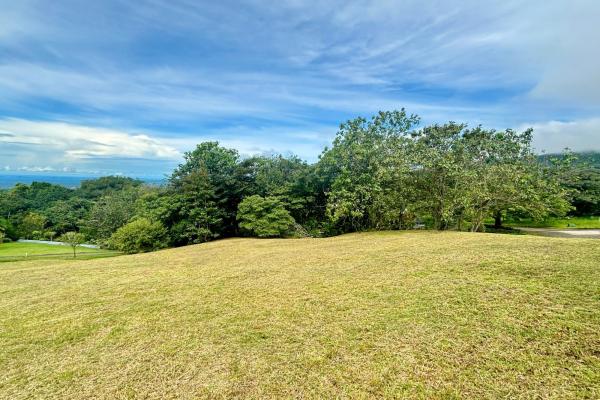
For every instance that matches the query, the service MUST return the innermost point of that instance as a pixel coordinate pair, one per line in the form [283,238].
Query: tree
[264,217]
[2,236]
[68,215]
[106,185]
[7,228]
[289,179]
[359,166]
[31,222]
[200,217]
[438,159]
[138,236]
[219,167]
[73,239]
[110,213]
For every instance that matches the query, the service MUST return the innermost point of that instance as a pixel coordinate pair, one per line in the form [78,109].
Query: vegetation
[409,315]
[264,217]
[383,173]
[73,240]
[139,236]
[583,180]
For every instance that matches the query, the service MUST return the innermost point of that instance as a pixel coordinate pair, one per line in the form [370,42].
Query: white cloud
[45,146]
[578,135]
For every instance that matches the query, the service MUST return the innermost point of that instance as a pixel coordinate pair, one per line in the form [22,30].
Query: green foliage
[7,229]
[200,218]
[109,213]
[218,167]
[31,223]
[73,239]
[264,217]
[68,215]
[138,236]
[290,179]
[106,185]
[380,173]
[365,162]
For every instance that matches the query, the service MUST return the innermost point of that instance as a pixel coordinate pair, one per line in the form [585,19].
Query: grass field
[560,223]
[16,251]
[409,315]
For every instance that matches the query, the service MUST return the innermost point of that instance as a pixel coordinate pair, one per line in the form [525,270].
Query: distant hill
[588,158]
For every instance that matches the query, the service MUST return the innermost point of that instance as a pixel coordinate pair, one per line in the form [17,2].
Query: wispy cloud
[262,77]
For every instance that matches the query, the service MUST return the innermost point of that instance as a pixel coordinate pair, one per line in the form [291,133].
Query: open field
[560,223]
[413,315]
[15,251]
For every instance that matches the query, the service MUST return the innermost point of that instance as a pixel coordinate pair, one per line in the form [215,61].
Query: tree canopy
[385,172]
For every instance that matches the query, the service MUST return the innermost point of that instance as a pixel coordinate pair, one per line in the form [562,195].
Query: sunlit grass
[409,315]
[568,222]
[22,249]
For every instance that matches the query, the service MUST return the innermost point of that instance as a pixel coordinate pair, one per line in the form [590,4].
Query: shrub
[264,217]
[139,236]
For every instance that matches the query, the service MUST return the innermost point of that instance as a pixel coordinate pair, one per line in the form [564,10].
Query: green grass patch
[15,251]
[559,223]
[375,315]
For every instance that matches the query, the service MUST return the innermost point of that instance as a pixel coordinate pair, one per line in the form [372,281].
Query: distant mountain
[587,158]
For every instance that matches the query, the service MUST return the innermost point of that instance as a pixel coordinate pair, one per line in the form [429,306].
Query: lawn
[560,223]
[20,249]
[397,315]
[15,251]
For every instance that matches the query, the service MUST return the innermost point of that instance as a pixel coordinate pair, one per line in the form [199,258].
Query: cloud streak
[283,77]
[60,145]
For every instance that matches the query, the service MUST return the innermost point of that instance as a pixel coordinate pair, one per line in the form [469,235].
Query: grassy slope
[20,249]
[420,315]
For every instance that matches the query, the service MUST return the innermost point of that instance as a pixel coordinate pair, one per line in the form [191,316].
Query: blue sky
[126,87]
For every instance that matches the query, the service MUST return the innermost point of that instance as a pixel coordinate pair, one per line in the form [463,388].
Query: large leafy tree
[68,215]
[200,217]
[218,167]
[438,158]
[289,179]
[363,158]
[264,217]
[32,225]
[109,213]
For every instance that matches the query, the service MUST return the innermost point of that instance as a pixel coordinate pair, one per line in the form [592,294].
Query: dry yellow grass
[415,315]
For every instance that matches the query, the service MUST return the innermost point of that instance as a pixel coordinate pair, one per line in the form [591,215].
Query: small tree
[139,236]
[2,235]
[73,239]
[264,217]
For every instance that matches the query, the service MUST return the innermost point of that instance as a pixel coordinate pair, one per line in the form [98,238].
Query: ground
[404,314]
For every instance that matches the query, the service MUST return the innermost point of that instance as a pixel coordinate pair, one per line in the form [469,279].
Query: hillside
[413,314]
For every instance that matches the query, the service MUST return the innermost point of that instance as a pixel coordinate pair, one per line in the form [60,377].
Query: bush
[264,217]
[139,236]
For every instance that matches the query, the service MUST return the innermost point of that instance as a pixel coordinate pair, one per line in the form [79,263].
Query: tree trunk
[498,220]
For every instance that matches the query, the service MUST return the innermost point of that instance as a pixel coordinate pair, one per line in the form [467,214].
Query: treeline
[382,173]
